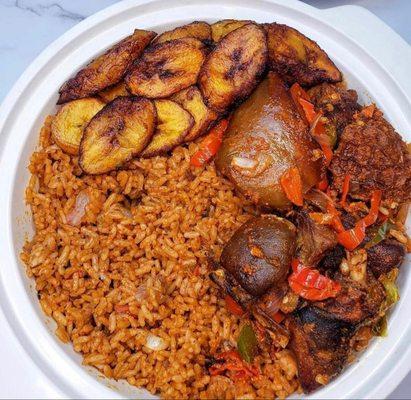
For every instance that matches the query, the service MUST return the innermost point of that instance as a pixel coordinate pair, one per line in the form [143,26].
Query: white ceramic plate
[375,62]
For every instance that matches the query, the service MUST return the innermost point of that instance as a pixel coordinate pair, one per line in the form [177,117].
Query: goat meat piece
[332,259]
[357,301]
[337,104]
[385,256]
[313,239]
[321,345]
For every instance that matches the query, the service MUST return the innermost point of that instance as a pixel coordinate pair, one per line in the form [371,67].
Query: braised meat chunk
[321,344]
[313,239]
[336,104]
[357,301]
[265,138]
[385,256]
[375,157]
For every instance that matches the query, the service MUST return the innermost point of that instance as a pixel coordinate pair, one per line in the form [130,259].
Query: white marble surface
[28,26]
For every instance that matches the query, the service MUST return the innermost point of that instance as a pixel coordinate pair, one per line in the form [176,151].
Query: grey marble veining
[29,26]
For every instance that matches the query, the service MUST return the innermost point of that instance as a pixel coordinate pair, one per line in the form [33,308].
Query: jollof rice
[137,265]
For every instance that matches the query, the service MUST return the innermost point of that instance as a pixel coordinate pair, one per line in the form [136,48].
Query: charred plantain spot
[167,67]
[120,131]
[237,68]
[111,132]
[167,74]
[106,70]
[237,54]
[297,58]
[233,68]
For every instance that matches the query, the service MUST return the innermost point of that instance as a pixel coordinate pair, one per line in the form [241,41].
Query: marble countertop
[28,26]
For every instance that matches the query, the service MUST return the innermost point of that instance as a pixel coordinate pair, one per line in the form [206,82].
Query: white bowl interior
[362,73]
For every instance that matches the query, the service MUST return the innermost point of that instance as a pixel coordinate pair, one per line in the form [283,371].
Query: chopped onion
[127,213]
[77,213]
[155,343]
[313,126]
[402,213]
[141,293]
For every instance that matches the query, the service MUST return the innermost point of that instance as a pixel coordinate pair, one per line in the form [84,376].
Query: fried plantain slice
[232,70]
[165,68]
[120,131]
[107,69]
[112,92]
[198,29]
[221,28]
[192,101]
[68,124]
[297,58]
[174,123]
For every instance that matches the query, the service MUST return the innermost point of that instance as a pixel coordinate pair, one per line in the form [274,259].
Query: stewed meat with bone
[253,270]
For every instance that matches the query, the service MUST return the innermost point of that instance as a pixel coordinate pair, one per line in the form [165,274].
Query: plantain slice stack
[166,68]
[198,29]
[112,92]
[297,58]
[68,124]
[120,131]
[192,101]
[106,70]
[174,123]
[233,69]
[221,28]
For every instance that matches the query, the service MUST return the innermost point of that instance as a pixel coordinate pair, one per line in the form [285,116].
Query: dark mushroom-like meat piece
[255,262]
[337,105]
[259,254]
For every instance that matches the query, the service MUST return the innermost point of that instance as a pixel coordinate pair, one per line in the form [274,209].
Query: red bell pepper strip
[336,221]
[310,284]
[210,145]
[346,189]
[352,238]
[306,109]
[278,317]
[231,361]
[375,206]
[323,184]
[233,306]
[292,185]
